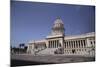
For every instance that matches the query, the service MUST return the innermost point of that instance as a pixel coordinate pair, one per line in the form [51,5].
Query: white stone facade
[58,44]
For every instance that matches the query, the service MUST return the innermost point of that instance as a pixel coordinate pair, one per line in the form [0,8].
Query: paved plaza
[38,60]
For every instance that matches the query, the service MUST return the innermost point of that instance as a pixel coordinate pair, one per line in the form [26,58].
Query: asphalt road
[23,60]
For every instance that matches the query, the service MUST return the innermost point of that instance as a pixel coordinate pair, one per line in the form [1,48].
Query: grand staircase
[47,51]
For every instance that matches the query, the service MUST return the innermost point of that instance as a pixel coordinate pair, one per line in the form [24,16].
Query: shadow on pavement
[15,63]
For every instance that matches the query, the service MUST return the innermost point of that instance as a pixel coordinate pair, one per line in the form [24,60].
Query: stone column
[78,43]
[83,43]
[71,45]
[88,43]
[50,44]
[61,42]
[47,44]
[53,43]
[75,43]
[57,43]
[67,44]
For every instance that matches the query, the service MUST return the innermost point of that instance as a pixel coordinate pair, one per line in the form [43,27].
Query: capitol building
[57,43]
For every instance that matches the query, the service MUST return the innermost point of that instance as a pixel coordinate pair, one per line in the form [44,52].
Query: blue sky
[34,20]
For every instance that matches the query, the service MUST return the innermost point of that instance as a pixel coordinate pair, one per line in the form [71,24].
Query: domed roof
[58,27]
[58,23]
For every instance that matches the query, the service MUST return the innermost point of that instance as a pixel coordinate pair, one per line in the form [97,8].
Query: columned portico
[53,44]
